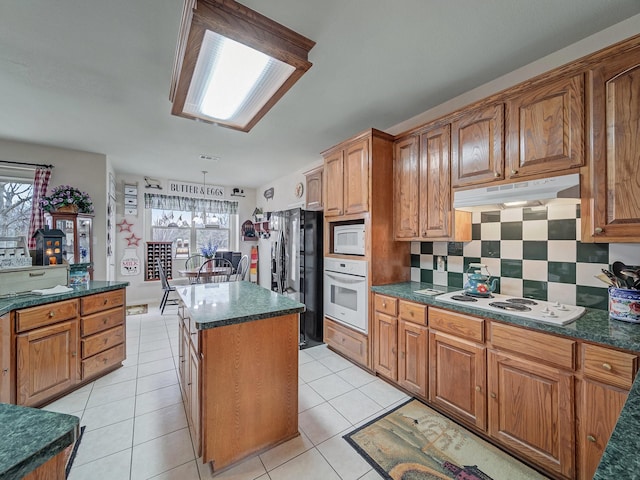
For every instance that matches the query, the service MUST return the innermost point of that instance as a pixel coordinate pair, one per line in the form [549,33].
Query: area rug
[137,309]
[71,451]
[414,442]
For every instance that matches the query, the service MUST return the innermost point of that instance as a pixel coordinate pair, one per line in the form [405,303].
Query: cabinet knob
[5,371]
[607,367]
[493,395]
[598,230]
[73,354]
[478,388]
[591,438]
[496,174]
[513,172]
[105,301]
[384,304]
[188,384]
[401,354]
[52,314]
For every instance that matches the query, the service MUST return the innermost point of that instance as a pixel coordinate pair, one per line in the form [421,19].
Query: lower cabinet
[189,375]
[347,341]
[412,357]
[531,411]
[47,362]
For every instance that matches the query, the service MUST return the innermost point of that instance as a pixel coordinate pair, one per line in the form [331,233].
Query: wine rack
[161,250]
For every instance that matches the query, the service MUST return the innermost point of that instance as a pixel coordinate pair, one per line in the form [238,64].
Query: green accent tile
[511,230]
[592,252]
[511,268]
[454,279]
[592,297]
[426,276]
[534,213]
[490,248]
[534,289]
[455,248]
[578,211]
[415,260]
[562,230]
[493,216]
[468,260]
[475,231]
[562,272]
[426,247]
[534,250]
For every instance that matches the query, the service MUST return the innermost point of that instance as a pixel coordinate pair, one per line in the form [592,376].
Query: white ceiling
[94,75]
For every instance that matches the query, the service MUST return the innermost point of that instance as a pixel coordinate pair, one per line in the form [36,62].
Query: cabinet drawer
[457,324]
[346,341]
[102,341]
[101,301]
[384,304]
[102,361]
[546,348]
[48,314]
[610,366]
[101,321]
[413,312]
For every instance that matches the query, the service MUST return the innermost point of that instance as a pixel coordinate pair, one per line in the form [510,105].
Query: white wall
[84,170]
[142,291]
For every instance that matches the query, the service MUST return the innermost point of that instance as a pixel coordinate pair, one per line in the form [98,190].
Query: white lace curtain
[187,204]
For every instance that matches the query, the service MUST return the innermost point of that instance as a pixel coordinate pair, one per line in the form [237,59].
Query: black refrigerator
[296,266]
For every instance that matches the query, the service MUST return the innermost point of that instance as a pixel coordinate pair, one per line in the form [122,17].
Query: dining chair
[166,288]
[193,263]
[215,270]
[243,267]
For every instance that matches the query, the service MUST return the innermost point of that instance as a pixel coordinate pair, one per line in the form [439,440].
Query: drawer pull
[607,367]
[52,314]
[591,438]
[105,301]
[36,274]
[104,321]
[478,388]
[493,395]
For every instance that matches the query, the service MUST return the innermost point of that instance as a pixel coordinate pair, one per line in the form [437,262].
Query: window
[191,230]
[15,206]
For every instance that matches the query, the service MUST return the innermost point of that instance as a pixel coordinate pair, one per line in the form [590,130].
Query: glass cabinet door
[84,240]
[68,242]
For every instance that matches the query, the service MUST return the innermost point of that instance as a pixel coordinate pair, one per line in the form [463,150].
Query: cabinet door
[385,357]
[6,364]
[356,178]
[334,184]
[477,155]
[183,359]
[412,357]
[531,411]
[457,378]
[600,408]
[435,183]
[47,362]
[545,128]
[615,177]
[406,188]
[314,189]
[193,387]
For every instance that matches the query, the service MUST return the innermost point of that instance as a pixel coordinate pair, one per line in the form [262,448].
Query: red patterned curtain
[40,183]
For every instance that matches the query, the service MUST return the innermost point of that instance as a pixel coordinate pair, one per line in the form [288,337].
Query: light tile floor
[136,427]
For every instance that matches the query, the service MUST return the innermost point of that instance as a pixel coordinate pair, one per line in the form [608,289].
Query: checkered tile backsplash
[535,252]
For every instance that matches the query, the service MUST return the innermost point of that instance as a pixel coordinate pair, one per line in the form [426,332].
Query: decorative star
[132,240]
[124,226]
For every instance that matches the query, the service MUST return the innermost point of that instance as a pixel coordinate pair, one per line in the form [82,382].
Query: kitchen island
[238,354]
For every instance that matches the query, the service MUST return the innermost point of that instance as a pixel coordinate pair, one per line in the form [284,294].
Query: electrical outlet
[441,263]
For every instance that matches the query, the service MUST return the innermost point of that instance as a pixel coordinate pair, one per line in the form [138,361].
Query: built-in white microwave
[349,239]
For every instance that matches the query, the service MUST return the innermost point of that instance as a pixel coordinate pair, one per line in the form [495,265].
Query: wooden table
[192,274]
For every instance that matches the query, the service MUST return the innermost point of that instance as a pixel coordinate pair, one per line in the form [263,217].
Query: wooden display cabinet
[78,242]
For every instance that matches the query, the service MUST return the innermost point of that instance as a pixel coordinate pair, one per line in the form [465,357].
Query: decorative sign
[130,263]
[132,240]
[199,190]
[124,226]
[268,193]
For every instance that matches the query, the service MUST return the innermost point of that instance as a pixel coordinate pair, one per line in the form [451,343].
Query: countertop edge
[247,318]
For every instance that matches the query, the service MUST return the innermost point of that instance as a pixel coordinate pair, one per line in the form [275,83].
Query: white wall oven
[346,292]
[349,239]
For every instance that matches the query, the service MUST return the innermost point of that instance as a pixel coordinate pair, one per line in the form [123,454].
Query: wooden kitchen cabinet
[189,374]
[422,188]
[413,341]
[545,128]
[313,180]
[47,362]
[7,371]
[348,342]
[610,209]
[349,169]
[477,139]
[457,366]
[385,350]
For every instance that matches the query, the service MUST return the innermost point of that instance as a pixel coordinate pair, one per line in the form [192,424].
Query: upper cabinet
[314,188]
[477,146]
[611,209]
[545,128]
[422,188]
[348,172]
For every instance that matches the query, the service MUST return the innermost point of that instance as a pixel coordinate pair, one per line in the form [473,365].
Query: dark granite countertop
[29,437]
[218,304]
[22,301]
[620,458]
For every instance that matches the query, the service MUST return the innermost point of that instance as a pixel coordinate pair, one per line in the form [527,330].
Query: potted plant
[65,198]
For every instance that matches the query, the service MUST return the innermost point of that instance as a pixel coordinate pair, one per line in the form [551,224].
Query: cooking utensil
[605,279]
[617,268]
[631,277]
[615,281]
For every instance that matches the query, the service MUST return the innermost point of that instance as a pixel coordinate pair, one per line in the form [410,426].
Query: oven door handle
[344,278]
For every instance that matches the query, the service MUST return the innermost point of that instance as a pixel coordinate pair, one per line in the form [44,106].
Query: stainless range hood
[562,189]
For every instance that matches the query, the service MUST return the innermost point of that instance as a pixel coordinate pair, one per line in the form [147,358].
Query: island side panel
[249,388]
